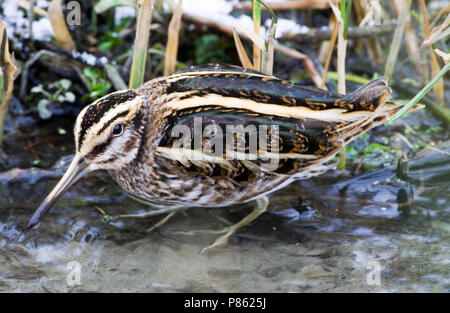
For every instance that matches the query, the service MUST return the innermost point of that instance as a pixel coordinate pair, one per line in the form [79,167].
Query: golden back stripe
[331,115]
[187,75]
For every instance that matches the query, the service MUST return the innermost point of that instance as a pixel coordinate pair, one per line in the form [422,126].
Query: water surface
[372,232]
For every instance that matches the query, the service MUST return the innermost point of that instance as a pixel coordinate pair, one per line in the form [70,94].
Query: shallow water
[371,233]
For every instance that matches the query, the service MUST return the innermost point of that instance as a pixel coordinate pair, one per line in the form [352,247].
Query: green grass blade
[346,8]
[256,15]
[420,94]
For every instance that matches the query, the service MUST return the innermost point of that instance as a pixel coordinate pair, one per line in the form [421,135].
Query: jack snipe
[135,136]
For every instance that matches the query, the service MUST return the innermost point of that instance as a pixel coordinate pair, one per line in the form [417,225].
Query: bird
[188,139]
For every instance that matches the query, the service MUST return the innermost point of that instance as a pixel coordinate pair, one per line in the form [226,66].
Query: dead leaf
[437,33]
[443,55]
[245,60]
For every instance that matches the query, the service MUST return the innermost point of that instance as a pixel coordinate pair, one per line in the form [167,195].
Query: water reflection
[330,237]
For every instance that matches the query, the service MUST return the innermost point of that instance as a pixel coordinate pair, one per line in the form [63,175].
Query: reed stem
[256,14]
[140,52]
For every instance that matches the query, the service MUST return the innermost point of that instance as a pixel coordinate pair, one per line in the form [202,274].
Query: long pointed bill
[77,169]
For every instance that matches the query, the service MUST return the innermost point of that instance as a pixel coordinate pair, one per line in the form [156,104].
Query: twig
[288,5]
[355,32]
[81,57]
[26,68]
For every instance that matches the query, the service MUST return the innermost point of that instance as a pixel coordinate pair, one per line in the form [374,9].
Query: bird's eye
[117,130]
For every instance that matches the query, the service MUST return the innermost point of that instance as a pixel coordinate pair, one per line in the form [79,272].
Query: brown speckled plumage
[157,178]
[130,134]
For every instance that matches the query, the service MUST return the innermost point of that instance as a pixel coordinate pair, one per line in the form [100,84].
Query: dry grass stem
[341,52]
[444,10]
[404,6]
[114,77]
[443,55]
[172,39]
[372,44]
[268,62]
[243,57]
[59,26]
[342,47]
[140,51]
[329,54]
[309,65]
[8,72]
[435,67]
[437,33]
[372,8]
[256,14]
[252,36]
[324,45]
[268,51]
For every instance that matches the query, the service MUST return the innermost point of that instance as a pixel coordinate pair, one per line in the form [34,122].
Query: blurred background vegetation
[69,55]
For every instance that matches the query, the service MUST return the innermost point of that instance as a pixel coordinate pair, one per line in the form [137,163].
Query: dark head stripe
[95,112]
[124,113]
[97,150]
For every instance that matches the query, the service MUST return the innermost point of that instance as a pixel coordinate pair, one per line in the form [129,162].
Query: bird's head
[108,131]
[108,134]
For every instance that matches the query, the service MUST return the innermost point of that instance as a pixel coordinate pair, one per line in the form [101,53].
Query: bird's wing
[294,126]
